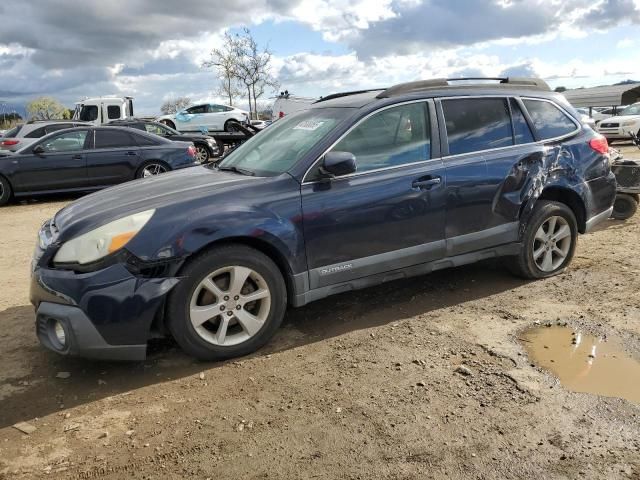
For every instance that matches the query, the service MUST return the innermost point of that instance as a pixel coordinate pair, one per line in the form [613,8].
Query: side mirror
[38,150]
[336,164]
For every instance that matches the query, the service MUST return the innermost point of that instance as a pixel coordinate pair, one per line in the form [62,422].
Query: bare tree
[224,60]
[252,68]
[174,105]
[46,108]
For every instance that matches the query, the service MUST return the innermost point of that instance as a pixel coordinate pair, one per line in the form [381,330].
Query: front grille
[609,125]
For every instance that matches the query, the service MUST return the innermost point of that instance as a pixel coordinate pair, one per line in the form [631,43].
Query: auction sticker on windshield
[309,125]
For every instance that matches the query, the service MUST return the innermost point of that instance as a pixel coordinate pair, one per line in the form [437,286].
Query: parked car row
[358,189]
[88,158]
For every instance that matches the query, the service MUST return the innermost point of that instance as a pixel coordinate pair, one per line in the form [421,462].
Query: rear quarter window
[548,120]
[145,141]
[476,124]
[37,133]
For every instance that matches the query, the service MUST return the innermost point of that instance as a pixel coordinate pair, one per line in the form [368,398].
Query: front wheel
[5,191]
[548,243]
[202,153]
[624,206]
[230,302]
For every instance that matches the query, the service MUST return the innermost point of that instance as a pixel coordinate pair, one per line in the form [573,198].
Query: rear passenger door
[489,157]
[114,157]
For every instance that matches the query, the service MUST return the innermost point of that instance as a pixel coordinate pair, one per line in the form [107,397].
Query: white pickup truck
[101,110]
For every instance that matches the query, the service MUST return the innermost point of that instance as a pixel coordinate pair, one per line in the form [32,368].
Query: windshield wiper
[233,168]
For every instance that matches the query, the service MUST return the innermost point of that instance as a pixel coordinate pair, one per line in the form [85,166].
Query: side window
[113,139]
[216,109]
[113,112]
[145,141]
[548,120]
[58,126]
[395,136]
[520,125]
[66,142]
[153,128]
[37,133]
[89,113]
[197,109]
[475,124]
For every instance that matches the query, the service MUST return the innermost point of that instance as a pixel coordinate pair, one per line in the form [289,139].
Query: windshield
[631,110]
[276,149]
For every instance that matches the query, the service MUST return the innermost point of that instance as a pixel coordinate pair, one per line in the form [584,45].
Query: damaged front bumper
[106,314]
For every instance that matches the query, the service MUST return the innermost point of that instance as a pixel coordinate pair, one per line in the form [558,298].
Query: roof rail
[420,85]
[53,120]
[346,94]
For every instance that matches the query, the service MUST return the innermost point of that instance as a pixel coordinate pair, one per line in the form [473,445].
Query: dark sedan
[87,159]
[206,147]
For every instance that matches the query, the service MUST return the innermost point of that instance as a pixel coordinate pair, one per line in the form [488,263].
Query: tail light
[191,151]
[9,143]
[280,114]
[599,144]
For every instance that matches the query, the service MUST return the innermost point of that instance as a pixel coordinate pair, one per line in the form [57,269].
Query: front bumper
[106,314]
[616,133]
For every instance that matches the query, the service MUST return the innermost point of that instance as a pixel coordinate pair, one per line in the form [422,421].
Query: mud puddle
[585,363]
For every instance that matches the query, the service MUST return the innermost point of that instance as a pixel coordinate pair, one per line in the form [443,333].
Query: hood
[156,192]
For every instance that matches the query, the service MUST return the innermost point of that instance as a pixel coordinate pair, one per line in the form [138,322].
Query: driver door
[62,165]
[192,119]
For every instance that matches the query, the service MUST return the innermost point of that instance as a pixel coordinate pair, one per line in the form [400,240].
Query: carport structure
[606,96]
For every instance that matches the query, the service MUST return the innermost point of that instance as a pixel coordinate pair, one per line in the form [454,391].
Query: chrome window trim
[356,174]
[446,158]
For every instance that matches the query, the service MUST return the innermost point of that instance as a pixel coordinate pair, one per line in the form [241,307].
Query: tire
[147,169]
[202,153]
[206,279]
[228,126]
[169,123]
[5,191]
[624,206]
[532,264]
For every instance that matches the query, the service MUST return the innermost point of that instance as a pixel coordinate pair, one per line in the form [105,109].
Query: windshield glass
[631,110]
[276,149]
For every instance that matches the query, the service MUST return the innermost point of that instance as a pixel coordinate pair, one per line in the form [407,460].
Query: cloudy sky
[153,49]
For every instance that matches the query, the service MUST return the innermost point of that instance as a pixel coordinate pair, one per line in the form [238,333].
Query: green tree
[46,108]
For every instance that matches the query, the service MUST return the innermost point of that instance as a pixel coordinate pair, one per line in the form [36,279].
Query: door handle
[130,154]
[77,157]
[426,182]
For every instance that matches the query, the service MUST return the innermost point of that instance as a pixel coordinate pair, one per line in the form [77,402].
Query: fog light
[59,332]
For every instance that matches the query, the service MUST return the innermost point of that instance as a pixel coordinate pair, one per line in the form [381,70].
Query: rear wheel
[548,242]
[202,153]
[5,191]
[230,303]
[624,206]
[151,169]
[228,126]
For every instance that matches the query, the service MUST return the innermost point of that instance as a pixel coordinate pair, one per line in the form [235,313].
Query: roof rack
[346,94]
[420,85]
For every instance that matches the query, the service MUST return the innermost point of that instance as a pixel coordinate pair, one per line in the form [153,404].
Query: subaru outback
[362,188]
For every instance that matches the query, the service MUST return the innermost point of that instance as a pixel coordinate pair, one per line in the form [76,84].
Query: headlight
[628,123]
[102,241]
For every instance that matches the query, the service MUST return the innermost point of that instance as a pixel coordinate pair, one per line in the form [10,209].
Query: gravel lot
[357,386]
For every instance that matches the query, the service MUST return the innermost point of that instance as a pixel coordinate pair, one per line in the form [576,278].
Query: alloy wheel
[552,243]
[153,169]
[230,306]
[201,154]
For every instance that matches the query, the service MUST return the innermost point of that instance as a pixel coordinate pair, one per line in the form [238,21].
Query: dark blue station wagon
[362,188]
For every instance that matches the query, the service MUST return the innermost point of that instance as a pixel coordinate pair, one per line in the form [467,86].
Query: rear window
[13,132]
[113,139]
[145,141]
[475,124]
[548,120]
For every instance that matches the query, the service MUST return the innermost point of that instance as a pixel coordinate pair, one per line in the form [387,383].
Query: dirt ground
[357,386]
